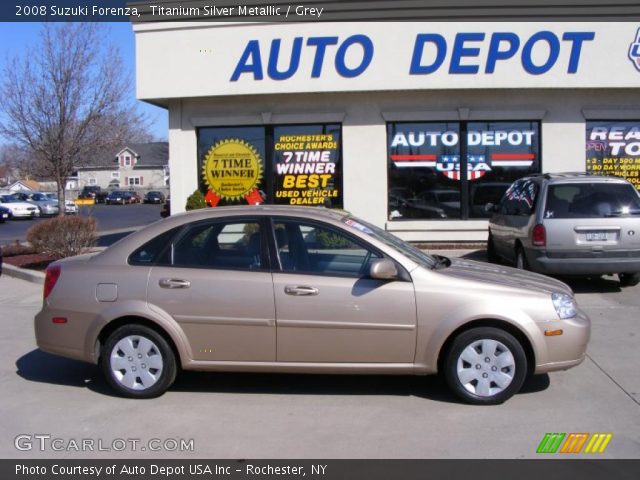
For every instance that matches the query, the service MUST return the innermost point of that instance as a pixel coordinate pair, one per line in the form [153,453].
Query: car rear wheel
[138,362]
[485,366]
[629,279]
[521,259]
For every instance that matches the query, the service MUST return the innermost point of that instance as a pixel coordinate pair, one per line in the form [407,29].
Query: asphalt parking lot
[305,416]
[110,219]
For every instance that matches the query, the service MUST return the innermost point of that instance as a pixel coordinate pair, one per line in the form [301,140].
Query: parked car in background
[47,206]
[154,197]
[119,197]
[93,192]
[17,207]
[135,197]
[439,203]
[212,289]
[569,224]
[70,208]
[5,213]
[166,209]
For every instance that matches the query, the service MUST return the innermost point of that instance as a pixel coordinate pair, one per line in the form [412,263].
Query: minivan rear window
[591,200]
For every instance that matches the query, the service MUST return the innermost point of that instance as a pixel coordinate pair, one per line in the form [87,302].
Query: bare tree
[16,161]
[68,100]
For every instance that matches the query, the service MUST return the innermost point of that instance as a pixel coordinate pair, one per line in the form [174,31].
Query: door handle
[300,290]
[174,283]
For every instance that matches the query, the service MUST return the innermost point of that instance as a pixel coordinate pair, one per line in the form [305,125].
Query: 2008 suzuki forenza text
[297,289]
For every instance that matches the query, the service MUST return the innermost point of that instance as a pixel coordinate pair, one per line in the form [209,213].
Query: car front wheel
[138,362]
[485,366]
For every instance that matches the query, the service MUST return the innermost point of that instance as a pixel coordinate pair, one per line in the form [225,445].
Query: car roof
[578,177]
[288,210]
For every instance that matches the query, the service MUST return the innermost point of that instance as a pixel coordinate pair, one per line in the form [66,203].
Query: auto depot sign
[231,59]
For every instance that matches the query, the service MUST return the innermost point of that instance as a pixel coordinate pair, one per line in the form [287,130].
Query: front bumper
[24,213]
[567,350]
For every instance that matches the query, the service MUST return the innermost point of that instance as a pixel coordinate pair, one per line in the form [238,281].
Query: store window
[453,170]
[613,148]
[280,164]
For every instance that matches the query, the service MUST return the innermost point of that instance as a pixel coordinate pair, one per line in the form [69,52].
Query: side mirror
[383,269]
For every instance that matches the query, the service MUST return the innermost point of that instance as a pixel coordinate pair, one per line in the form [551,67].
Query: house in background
[135,166]
[25,186]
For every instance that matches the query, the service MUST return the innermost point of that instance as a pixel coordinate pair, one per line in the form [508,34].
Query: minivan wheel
[629,279]
[485,366]
[492,256]
[138,362]
[521,259]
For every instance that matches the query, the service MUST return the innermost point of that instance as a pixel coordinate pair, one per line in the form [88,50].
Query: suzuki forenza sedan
[298,289]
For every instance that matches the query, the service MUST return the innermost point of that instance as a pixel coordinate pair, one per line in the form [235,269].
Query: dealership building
[414,126]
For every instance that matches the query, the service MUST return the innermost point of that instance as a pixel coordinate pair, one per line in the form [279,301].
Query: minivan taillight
[539,236]
[50,279]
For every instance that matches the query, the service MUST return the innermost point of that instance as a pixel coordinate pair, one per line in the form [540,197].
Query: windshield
[409,251]
[8,199]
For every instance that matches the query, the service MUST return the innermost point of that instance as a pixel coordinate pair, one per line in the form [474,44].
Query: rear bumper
[540,261]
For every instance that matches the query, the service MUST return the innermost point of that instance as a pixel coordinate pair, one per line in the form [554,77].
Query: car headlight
[564,305]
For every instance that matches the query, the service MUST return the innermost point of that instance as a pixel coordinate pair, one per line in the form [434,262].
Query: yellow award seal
[232,168]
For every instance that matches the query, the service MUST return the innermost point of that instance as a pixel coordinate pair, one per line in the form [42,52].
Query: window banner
[613,148]
[232,170]
[307,165]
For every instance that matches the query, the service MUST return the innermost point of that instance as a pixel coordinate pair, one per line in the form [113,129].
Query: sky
[19,38]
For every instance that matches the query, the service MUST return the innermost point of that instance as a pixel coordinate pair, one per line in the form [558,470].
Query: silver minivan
[569,224]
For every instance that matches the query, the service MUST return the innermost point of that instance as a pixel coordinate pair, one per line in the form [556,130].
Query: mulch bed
[32,261]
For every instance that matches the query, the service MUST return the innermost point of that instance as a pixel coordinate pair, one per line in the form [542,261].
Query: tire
[629,279]
[485,366]
[492,256]
[138,362]
[521,259]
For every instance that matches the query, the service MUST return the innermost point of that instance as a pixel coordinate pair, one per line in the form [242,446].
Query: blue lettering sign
[554,51]
[496,54]
[441,51]
[367,55]
[459,51]
[252,52]
[321,44]
[294,61]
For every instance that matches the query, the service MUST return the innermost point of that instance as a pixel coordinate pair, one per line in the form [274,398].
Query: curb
[23,274]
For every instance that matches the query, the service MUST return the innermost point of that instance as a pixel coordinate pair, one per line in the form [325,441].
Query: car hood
[11,205]
[490,273]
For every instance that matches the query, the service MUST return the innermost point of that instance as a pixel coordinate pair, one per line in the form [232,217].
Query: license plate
[5,215]
[596,236]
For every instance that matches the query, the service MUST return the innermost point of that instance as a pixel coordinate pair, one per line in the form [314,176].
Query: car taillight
[50,279]
[539,236]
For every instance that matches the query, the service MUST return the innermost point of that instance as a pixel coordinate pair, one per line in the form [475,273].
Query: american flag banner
[477,164]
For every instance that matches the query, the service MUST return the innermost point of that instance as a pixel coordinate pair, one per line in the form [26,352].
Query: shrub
[195,201]
[63,237]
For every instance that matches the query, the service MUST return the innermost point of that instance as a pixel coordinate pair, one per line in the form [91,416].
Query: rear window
[591,200]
